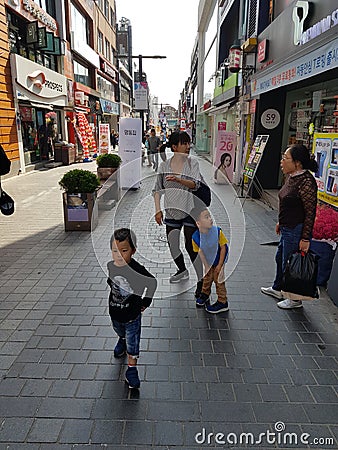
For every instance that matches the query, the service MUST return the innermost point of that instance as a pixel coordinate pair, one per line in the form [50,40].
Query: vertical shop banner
[224,157]
[104,138]
[325,150]
[130,151]
[141,96]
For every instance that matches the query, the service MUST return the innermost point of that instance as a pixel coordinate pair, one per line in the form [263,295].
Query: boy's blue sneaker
[132,378]
[120,348]
[217,307]
[202,299]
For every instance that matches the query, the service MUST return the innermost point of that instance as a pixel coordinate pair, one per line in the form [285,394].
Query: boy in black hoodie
[132,289]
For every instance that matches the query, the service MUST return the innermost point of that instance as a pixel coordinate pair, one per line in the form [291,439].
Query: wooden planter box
[104,173]
[80,211]
[110,191]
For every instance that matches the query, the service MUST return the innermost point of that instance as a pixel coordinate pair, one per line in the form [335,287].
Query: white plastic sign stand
[130,151]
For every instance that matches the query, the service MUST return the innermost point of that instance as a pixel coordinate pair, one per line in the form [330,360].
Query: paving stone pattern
[236,372]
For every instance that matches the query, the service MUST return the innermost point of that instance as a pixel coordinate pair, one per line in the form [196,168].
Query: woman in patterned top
[177,178]
[297,212]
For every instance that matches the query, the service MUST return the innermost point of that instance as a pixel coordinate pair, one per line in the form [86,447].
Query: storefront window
[79,25]
[81,74]
[18,44]
[313,105]
[106,88]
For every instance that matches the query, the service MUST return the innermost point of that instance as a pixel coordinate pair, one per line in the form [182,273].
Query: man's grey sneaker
[202,299]
[217,307]
[179,276]
[272,292]
[132,378]
[289,304]
[120,348]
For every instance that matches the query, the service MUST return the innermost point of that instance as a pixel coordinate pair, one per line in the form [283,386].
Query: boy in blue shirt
[211,244]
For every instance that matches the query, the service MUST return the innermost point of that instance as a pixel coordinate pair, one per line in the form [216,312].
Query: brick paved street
[237,372]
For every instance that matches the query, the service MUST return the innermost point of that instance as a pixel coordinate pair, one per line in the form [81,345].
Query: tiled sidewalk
[238,372]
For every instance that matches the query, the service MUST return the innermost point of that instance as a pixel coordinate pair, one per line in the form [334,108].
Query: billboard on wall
[325,149]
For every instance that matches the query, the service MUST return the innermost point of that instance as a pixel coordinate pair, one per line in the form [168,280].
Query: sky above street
[167,28]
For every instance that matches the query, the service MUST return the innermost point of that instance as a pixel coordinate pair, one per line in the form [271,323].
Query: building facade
[59,64]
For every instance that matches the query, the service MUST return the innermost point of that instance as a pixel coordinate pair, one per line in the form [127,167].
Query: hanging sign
[141,96]
[32,35]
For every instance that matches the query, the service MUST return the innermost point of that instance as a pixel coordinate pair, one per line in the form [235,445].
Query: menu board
[104,137]
[255,156]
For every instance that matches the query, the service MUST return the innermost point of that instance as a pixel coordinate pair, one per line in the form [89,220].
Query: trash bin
[58,152]
[68,154]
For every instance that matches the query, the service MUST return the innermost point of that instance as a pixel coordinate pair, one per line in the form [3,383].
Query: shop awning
[220,109]
[42,105]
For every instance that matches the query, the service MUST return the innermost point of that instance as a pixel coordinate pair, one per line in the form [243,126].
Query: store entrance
[39,132]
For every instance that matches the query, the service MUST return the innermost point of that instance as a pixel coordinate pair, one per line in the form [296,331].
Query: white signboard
[37,83]
[141,96]
[130,151]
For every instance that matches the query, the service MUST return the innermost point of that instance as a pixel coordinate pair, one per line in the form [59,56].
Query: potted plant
[79,207]
[107,164]
[324,241]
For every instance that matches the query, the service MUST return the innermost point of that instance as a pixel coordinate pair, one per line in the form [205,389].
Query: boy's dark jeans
[131,331]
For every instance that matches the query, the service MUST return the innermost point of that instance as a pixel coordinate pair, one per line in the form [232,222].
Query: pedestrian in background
[177,178]
[113,139]
[146,144]
[212,247]
[132,289]
[154,146]
[297,213]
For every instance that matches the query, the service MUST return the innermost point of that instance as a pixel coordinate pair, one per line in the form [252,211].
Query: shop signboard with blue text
[320,60]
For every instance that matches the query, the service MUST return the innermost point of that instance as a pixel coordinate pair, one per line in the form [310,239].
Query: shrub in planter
[80,210]
[78,180]
[107,164]
[108,160]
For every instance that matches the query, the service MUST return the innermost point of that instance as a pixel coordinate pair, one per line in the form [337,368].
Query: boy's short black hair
[124,234]
[197,211]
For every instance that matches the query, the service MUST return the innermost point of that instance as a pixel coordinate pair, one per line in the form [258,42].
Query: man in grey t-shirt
[154,145]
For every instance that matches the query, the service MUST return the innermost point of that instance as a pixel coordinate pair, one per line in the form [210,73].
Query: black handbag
[5,163]
[202,194]
[300,276]
[6,203]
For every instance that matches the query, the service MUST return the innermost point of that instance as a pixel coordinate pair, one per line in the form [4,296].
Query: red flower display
[326,223]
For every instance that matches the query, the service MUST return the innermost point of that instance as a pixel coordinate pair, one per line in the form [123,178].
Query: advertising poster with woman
[325,149]
[224,157]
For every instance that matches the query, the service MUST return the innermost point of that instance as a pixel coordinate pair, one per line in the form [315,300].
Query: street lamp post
[140,58]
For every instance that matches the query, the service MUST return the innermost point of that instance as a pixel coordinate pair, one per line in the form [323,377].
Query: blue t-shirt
[210,244]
